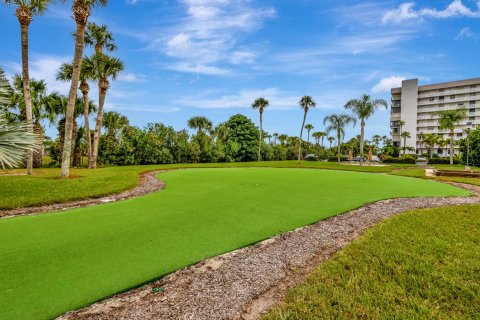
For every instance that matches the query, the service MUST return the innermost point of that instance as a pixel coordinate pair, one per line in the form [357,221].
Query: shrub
[407,159]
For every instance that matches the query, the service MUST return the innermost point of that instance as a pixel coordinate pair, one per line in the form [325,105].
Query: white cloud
[132,77]
[406,11]
[278,100]
[467,33]
[45,67]
[143,109]
[386,84]
[210,34]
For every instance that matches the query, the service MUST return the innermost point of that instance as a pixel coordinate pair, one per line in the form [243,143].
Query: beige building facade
[417,106]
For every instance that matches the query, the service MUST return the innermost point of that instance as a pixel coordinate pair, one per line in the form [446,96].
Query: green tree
[81,12]
[114,123]
[260,104]
[421,141]
[26,10]
[405,135]
[103,69]
[431,139]
[363,109]
[331,140]
[338,123]
[448,120]
[308,127]
[305,103]
[474,148]
[100,38]
[243,131]
[201,124]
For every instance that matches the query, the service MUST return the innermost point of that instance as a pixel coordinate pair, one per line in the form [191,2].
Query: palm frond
[15,141]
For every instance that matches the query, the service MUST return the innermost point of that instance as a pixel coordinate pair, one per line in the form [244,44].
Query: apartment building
[416,106]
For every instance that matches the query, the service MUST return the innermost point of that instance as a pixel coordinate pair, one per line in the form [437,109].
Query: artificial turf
[419,265]
[52,263]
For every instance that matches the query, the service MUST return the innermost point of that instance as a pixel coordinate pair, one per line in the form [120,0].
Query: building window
[473,86]
[459,135]
[452,97]
[396,110]
[395,130]
[441,90]
[472,102]
[441,98]
[432,99]
[431,128]
[460,104]
[440,151]
[471,118]
[472,110]
[472,94]
[469,123]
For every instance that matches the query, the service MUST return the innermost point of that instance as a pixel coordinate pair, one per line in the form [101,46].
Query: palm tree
[363,109]
[317,136]
[199,123]
[376,140]
[322,136]
[306,103]
[81,11]
[65,74]
[405,135]
[26,10]
[431,139]
[99,38]
[102,68]
[260,104]
[275,137]
[114,123]
[282,138]
[43,107]
[337,123]
[331,139]
[309,128]
[5,91]
[448,120]
[421,140]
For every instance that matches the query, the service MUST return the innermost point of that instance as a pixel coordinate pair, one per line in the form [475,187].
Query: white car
[375,159]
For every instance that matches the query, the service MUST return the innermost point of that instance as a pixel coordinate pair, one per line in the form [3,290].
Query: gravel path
[147,184]
[246,283]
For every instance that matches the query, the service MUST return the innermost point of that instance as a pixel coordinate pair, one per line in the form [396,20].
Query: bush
[407,159]
[335,158]
[443,161]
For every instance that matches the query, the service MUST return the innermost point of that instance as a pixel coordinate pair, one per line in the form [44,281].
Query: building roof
[443,85]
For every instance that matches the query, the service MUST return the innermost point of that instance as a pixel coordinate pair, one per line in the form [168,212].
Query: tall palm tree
[309,128]
[448,120]
[306,103]
[114,123]
[99,38]
[199,123]
[317,136]
[65,74]
[260,104]
[401,124]
[331,139]
[405,135]
[26,10]
[81,11]
[282,138]
[431,139]
[5,91]
[322,136]
[363,109]
[103,68]
[337,123]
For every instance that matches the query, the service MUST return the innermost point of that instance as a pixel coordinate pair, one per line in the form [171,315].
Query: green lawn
[419,265]
[52,263]
[45,187]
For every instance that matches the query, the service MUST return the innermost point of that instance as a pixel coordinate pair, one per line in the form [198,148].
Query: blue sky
[214,57]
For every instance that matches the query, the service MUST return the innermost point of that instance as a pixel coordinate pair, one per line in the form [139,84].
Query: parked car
[359,159]
[422,160]
[311,157]
[375,159]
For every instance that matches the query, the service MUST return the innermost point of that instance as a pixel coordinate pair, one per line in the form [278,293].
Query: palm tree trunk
[339,146]
[72,96]
[451,146]
[431,151]
[88,137]
[26,91]
[308,138]
[301,133]
[98,126]
[362,136]
[260,140]
[404,146]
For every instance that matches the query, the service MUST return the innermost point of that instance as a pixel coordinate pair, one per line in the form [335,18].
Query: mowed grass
[52,263]
[45,186]
[419,265]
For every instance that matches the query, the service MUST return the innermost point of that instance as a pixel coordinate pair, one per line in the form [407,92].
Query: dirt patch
[147,184]
[245,283]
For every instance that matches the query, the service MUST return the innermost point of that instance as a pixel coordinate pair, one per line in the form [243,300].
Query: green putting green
[53,263]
